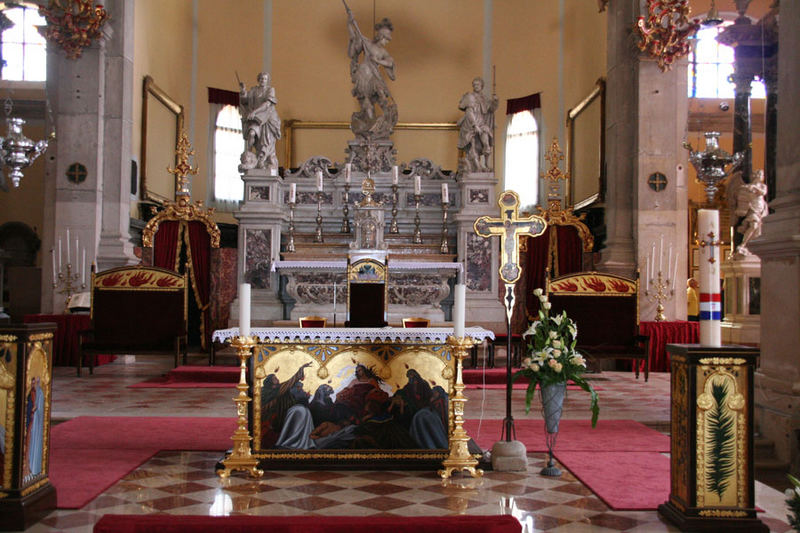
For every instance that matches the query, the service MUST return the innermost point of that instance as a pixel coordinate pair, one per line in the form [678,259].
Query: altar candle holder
[393,229]
[660,293]
[68,283]
[417,239]
[459,457]
[290,245]
[318,234]
[444,248]
[241,457]
[346,210]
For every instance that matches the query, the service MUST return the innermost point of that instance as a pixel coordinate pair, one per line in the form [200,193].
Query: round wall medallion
[76,173]
[657,181]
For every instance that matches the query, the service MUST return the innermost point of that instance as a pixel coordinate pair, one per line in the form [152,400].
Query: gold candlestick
[459,458]
[660,285]
[444,247]
[241,457]
[417,238]
[69,284]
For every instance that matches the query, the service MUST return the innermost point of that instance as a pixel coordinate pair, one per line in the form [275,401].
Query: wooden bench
[606,309]
[136,310]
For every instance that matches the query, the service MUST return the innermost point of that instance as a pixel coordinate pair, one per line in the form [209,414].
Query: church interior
[271,259]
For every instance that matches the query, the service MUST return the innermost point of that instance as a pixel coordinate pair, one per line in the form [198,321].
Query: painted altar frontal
[350,396]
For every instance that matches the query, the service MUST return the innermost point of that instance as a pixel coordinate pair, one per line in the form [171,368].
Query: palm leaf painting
[720,444]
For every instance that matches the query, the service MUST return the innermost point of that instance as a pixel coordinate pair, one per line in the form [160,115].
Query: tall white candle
[647,273]
[53,255]
[76,254]
[395,175]
[661,255]
[653,260]
[68,261]
[319,180]
[348,169]
[710,310]
[292,193]
[459,309]
[83,267]
[417,185]
[669,261]
[244,309]
[445,195]
[59,253]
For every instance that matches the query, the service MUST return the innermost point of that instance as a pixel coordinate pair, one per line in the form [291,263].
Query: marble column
[742,130]
[647,112]
[777,396]
[91,102]
[619,255]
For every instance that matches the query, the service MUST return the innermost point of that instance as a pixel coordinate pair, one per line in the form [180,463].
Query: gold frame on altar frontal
[336,365]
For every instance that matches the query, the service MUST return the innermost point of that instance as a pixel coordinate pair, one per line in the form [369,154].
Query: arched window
[522,157]
[24,52]
[228,146]
[710,65]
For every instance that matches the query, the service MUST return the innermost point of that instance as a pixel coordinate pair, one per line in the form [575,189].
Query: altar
[342,397]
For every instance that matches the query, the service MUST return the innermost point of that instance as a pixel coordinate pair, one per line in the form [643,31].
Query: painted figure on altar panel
[368,59]
[476,128]
[361,414]
[261,125]
[34,430]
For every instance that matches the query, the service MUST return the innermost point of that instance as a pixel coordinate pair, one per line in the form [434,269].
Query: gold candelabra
[68,282]
[241,457]
[459,457]
[661,294]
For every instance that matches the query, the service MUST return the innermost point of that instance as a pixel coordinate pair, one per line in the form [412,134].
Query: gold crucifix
[510,227]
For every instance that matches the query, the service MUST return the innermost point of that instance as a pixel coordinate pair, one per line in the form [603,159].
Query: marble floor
[185,482]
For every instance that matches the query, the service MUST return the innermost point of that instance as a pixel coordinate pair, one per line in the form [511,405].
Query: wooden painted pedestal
[26,357]
[712,486]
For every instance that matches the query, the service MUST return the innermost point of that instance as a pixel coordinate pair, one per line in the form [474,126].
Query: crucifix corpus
[510,227]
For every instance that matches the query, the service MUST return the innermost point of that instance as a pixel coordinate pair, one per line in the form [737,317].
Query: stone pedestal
[742,280]
[26,370]
[712,487]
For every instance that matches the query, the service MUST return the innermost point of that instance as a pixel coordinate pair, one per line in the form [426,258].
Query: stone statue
[476,133]
[261,126]
[369,87]
[751,206]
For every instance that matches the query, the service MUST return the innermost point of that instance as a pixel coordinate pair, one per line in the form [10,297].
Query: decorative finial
[183,168]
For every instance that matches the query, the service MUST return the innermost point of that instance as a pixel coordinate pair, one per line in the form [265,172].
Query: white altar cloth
[353,335]
[341,266]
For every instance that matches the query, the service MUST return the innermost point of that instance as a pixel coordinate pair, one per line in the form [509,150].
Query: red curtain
[570,250]
[165,244]
[537,259]
[200,260]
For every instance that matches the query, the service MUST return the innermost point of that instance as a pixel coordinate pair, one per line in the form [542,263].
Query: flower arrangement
[552,357]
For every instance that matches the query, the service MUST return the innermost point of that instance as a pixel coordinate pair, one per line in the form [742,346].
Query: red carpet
[164,523]
[519,386]
[184,377]
[625,480]
[574,435]
[89,454]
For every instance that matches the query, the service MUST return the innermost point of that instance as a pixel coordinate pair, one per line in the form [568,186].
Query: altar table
[347,397]
[663,333]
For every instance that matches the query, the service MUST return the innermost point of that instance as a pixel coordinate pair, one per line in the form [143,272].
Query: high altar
[339,397]
[300,228]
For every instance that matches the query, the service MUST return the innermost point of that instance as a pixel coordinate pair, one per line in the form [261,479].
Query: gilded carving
[722,513]
[8,338]
[721,437]
[40,337]
[722,361]
[8,372]
[679,446]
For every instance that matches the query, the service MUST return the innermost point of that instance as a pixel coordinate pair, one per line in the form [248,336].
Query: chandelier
[665,32]
[713,164]
[73,24]
[16,150]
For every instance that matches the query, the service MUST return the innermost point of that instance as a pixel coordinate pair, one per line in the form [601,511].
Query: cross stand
[509,455]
